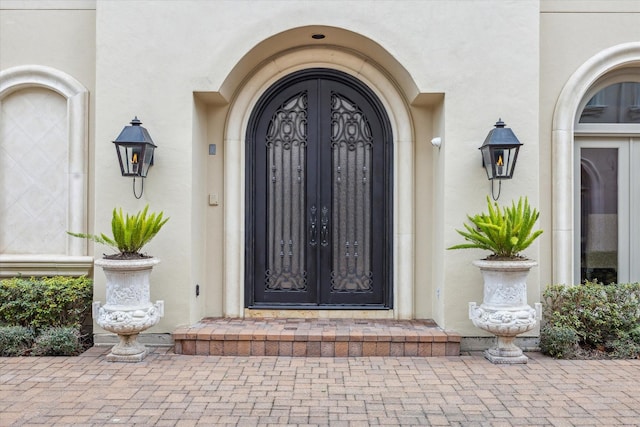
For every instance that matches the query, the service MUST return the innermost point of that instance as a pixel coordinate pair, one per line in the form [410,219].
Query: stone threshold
[315,338]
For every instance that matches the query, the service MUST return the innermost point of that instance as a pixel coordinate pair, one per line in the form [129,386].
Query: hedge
[591,319]
[45,302]
[44,316]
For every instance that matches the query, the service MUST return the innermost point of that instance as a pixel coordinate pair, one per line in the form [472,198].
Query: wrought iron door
[318,195]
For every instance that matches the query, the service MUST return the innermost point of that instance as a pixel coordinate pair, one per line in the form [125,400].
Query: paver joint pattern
[167,389]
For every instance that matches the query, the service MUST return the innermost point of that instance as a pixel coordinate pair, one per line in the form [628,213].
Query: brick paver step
[315,337]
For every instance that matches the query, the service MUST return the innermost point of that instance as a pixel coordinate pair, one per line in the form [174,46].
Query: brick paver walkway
[175,390]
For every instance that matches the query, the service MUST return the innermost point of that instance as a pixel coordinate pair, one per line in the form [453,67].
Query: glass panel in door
[599,200]
[286,144]
[606,209]
[351,149]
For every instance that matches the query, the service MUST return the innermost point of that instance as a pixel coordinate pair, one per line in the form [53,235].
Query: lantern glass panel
[132,158]
[499,162]
[146,160]
[487,161]
[511,161]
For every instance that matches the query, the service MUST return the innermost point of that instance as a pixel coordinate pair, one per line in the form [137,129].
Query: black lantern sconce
[135,152]
[499,154]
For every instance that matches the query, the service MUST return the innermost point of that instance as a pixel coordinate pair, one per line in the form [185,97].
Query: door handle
[324,231]
[313,229]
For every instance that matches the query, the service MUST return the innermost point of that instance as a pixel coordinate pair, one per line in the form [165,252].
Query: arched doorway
[318,195]
[235,132]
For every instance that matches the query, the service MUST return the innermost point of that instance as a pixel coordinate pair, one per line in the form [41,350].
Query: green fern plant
[130,232]
[505,231]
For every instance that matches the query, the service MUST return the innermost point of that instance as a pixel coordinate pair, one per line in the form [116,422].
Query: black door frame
[251,176]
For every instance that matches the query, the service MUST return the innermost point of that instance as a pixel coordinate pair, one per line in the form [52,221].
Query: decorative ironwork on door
[286,144]
[351,146]
[318,195]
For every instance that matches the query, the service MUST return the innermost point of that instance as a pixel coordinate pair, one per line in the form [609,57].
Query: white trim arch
[562,141]
[403,186]
[77,97]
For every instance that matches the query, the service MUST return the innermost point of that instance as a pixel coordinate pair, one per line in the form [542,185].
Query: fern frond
[505,231]
[130,232]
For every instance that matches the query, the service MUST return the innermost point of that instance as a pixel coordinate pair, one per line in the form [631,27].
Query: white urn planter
[504,311]
[128,310]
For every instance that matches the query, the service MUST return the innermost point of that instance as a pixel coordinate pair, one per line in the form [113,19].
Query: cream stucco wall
[181,66]
[483,87]
[152,56]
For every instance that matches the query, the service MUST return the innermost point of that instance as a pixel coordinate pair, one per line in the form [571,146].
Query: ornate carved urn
[128,310]
[504,311]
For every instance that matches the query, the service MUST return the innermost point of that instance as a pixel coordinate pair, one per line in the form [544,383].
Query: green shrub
[59,341]
[558,341]
[605,318]
[627,345]
[15,340]
[45,302]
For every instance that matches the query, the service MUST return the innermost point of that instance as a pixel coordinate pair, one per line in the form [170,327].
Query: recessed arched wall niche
[43,173]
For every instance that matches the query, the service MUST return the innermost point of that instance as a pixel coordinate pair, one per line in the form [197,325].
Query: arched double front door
[319,202]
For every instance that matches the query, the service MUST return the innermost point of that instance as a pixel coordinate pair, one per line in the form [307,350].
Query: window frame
[622,129]
[625,200]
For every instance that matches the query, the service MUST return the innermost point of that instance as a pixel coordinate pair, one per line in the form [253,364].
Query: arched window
[616,103]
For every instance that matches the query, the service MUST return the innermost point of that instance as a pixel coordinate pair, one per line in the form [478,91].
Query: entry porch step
[315,338]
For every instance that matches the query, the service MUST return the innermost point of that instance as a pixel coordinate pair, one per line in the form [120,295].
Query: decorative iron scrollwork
[349,125]
[286,143]
[352,201]
[288,126]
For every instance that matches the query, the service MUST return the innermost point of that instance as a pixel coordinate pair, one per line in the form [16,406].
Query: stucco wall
[152,56]
[482,60]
